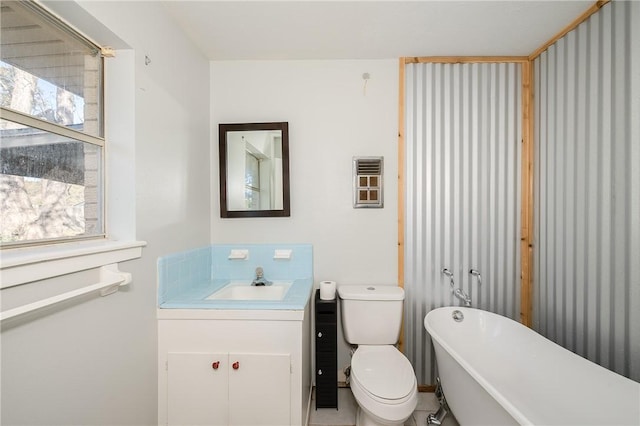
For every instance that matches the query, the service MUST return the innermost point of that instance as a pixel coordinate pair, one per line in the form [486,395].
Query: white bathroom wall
[332,117]
[94,362]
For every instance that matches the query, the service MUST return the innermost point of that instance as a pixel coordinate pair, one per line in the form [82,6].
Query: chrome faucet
[462,295]
[260,280]
[450,275]
[476,273]
[456,291]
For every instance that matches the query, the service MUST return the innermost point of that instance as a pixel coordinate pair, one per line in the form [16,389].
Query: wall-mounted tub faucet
[458,292]
[476,274]
[462,295]
[450,275]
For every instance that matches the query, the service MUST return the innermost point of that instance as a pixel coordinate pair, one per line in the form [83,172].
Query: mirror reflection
[254,170]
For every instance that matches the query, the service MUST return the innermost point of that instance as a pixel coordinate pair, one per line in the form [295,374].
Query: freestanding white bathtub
[495,371]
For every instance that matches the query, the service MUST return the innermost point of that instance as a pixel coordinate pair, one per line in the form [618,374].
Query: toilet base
[365,419]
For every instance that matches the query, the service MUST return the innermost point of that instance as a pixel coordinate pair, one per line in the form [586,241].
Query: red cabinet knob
[215,365]
[236,365]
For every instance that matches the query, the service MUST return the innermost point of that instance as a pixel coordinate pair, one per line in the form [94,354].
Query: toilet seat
[384,373]
[383,383]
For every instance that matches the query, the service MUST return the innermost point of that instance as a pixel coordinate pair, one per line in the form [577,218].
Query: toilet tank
[371,314]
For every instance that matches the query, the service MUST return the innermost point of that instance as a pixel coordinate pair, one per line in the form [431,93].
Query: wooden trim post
[401,89]
[526,211]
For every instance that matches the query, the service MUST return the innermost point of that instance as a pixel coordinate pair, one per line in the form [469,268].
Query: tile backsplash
[299,265]
[185,272]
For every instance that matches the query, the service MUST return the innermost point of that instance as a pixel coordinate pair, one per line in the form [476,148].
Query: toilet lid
[383,371]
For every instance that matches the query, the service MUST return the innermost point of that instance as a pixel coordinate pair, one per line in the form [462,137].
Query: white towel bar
[110,280]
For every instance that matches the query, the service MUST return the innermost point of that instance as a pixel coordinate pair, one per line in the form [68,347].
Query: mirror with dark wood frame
[254,169]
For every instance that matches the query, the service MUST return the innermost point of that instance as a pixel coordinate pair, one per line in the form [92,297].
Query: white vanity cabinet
[228,389]
[218,367]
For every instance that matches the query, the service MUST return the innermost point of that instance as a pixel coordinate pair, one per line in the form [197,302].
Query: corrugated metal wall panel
[462,194]
[587,226]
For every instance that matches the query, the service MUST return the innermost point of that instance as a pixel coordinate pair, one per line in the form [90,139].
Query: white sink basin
[245,291]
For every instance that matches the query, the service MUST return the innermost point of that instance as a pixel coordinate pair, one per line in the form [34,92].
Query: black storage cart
[326,335]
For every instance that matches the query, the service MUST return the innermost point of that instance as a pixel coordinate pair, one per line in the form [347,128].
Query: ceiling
[271,30]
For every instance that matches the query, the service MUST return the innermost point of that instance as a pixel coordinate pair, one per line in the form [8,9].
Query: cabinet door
[197,391]
[326,337]
[326,380]
[259,389]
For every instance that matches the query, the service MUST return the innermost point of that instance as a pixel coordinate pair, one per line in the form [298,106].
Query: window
[51,129]
[252,182]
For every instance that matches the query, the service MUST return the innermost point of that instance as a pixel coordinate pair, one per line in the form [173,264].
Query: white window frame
[31,264]
[54,24]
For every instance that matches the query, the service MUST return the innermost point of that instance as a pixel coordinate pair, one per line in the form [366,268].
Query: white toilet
[382,378]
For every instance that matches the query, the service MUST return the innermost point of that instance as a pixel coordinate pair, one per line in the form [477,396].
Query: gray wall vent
[367,182]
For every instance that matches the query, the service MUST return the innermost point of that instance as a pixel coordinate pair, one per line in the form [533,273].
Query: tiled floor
[345,415]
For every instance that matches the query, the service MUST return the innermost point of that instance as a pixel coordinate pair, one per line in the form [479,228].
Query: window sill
[24,265]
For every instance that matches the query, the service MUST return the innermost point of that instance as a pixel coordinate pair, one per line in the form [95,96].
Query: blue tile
[186,278]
